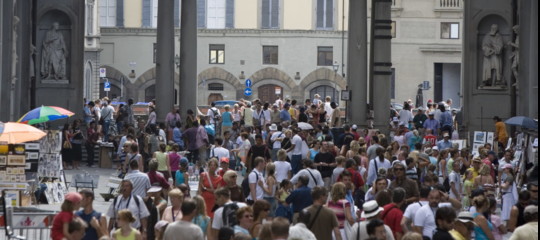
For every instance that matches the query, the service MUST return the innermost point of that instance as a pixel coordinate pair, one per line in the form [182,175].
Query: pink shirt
[339,209]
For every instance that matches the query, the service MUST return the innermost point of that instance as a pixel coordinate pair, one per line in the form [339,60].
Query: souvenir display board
[49,166]
[13,167]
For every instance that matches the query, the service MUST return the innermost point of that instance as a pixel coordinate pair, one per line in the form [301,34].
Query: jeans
[106,125]
[296,163]
[119,126]
[90,154]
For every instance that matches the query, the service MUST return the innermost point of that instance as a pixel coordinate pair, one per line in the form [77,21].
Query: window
[325,56]
[215,14]
[325,14]
[270,55]
[450,30]
[323,91]
[217,54]
[154,13]
[215,87]
[107,13]
[270,14]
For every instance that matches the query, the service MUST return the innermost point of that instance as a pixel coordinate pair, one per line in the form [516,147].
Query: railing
[448,5]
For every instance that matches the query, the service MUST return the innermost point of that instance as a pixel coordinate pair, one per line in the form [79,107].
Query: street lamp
[335,67]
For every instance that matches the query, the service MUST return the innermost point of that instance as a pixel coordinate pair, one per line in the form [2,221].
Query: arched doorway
[150,93]
[214,97]
[267,93]
[323,91]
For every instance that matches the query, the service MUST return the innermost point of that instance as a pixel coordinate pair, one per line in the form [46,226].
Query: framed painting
[16,160]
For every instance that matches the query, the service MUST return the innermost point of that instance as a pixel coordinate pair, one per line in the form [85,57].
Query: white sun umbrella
[305,126]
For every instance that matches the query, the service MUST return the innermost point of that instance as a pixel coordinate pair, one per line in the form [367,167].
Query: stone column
[165,59]
[357,60]
[381,65]
[188,57]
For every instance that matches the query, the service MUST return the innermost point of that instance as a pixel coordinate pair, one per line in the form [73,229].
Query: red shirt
[356,178]
[431,139]
[57,231]
[158,180]
[392,216]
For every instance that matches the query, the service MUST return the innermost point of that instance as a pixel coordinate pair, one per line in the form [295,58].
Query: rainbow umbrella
[13,133]
[44,114]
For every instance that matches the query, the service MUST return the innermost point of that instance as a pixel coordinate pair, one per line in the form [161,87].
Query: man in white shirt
[141,182]
[213,113]
[107,113]
[375,164]
[185,229]
[455,181]
[328,108]
[132,202]
[410,212]
[218,151]
[276,138]
[223,199]
[371,211]
[315,178]
[256,179]
[424,219]
[296,149]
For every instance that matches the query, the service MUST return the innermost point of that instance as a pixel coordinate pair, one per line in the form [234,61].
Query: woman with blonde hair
[283,168]
[230,178]
[163,160]
[201,219]
[354,150]
[483,227]
[270,188]
[484,180]
[341,207]
[125,231]
[260,213]
[173,213]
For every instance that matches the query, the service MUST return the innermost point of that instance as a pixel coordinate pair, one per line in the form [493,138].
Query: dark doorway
[267,93]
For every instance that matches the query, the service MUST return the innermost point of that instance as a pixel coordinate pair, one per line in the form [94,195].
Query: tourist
[174,212]
[140,180]
[300,198]
[182,175]
[410,211]
[227,219]
[261,209]
[499,227]
[256,181]
[283,168]
[424,219]
[392,214]
[315,178]
[341,207]
[245,220]
[444,218]
[201,219]
[517,217]
[279,229]
[371,212]
[509,192]
[463,226]
[467,188]
[133,155]
[376,230]
[455,182]
[484,228]
[96,221]
[59,230]
[325,163]
[125,229]
[77,139]
[129,201]
[155,194]
[270,189]
[323,221]
[185,229]
[314,149]
[402,181]
[156,178]
[375,164]
[209,182]
[380,184]
[530,229]
[230,178]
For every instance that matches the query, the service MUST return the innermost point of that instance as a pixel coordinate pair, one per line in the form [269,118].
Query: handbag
[67,144]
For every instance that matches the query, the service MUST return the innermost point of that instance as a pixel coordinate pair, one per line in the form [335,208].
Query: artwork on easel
[49,193]
[509,144]
[479,137]
[490,138]
[476,146]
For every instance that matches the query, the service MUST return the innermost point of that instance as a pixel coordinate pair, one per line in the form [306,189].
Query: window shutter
[147,13]
[229,14]
[275,14]
[320,13]
[201,13]
[177,13]
[265,21]
[120,13]
[329,14]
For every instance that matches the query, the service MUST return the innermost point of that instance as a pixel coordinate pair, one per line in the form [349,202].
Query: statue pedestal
[50,81]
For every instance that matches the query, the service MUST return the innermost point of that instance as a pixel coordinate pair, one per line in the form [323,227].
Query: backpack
[229,215]
[216,116]
[245,184]
[136,202]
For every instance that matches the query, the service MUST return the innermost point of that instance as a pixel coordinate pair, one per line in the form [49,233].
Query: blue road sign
[107,86]
[249,83]
[248,92]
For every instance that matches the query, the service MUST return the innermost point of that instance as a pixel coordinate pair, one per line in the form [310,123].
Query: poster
[479,137]
[476,146]
[49,165]
[490,137]
[461,143]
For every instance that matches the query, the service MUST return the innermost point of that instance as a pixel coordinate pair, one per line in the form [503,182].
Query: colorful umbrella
[14,133]
[44,114]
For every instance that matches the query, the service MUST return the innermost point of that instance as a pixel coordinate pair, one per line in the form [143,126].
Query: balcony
[448,5]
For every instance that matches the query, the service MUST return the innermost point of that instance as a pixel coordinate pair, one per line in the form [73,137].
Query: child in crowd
[283,210]
[60,228]
[125,231]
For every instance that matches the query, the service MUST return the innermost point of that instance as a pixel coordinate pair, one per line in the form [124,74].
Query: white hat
[435,148]
[395,119]
[273,127]
[371,209]
[397,162]
[466,217]
[508,165]
[154,189]
[354,126]
[432,113]
[446,134]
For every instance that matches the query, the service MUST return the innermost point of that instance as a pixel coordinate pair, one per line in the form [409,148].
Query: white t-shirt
[276,135]
[217,222]
[413,208]
[455,178]
[219,152]
[405,116]
[315,180]
[210,114]
[297,142]
[267,117]
[282,170]
[259,192]
[425,218]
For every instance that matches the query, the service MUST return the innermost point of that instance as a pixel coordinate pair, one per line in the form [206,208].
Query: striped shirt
[141,182]
[339,209]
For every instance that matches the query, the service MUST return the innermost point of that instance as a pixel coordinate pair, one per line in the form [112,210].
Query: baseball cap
[435,148]
[396,163]
[508,165]
[73,197]
[184,161]
[354,126]
[446,134]
[224,160]
[466,217]
[273,127]
[431,113]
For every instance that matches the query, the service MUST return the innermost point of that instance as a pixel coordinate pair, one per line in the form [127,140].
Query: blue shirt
[284,115]
[90,233]
[300,199]
[432,124]
[446,119]
[177,137]
[87,115]
[444,145]
[226,119]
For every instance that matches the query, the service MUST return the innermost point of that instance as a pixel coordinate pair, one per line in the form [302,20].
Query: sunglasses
[399,169]
[248,216]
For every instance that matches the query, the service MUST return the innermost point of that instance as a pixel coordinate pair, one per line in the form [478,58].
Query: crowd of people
[306,175]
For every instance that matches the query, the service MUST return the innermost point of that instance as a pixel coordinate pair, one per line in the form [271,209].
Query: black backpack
[245,184]
[229,215]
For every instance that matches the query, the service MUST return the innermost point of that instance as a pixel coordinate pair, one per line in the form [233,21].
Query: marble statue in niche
[53,55]
[515,54]
[492,48]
